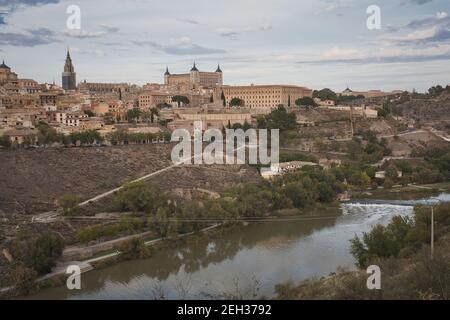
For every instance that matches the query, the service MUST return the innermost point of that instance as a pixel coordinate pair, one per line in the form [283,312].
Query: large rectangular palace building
[266,96]
[195,78]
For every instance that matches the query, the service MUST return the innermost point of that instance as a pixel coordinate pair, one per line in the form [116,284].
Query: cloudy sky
[315,43]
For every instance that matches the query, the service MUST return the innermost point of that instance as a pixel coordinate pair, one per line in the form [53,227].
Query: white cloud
[441,15]
[82,34]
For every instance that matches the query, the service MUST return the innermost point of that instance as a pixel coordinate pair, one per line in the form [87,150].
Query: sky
[312,43]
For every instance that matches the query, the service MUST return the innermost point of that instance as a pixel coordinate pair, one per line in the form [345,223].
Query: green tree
[153,112]
[133,249]
[383,242]
[236,102]
[326,193]
[47,134]
[365,180]
[278,119]
[139,197]
[4,141]
[133,115]
[388,183]
[69,204]
[180,100]
[325,94]
[162,220]
[306,102]
[224,100]
[87,137]
[89,113]
[295,192]
[392,172]
[47,249]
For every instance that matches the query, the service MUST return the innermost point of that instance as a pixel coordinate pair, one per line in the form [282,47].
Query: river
[247,262]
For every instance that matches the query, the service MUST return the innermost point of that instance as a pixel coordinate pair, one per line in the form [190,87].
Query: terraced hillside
[32,180]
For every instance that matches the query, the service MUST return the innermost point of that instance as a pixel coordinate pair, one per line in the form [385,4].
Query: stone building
[104,88]
[149,100]
[264,97]
[69,80]
[370,93]
[195,78]
[6,74]
[185,118]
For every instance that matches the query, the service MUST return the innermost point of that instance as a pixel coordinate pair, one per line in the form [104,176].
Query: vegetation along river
[246,262]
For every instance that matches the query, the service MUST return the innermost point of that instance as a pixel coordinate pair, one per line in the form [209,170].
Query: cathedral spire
[167,71]
[69,75]
[194,68]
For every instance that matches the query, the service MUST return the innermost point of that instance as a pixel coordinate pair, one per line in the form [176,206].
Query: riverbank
[410,268]
[110,257]
[408,192]
[319,214]
[252,261]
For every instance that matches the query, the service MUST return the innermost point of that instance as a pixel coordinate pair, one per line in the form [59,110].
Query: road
[53,216]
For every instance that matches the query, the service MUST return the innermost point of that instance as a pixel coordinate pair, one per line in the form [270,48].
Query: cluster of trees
[47,135]
[295,190]
[124,137]
[345,99]
[33,256]
[289,156]
[325,94]
[125,226]
[87,137]
[245,126]
[402,237]
[180,100]
[402,252]
[305,102]
[278,119]
[368,148]
[158,212]
[436,168]
[437,90]
[328,94]
[135,114]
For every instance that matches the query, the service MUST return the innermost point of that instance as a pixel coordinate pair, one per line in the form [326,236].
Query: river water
[243,262]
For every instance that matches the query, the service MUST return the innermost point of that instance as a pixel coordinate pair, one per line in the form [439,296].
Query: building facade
[6,74]
[370,93]
[69,80]
[104,88]
[195,78]
[149,100]
[265,97]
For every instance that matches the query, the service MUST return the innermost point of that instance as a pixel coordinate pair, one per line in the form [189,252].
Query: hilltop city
[176,103]
[88,181]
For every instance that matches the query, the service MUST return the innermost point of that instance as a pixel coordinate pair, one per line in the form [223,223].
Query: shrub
[69,204]
[126,226]
[24,280]
[133,249]
[48,248]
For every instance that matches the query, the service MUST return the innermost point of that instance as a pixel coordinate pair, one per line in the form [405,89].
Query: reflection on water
[270,252]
